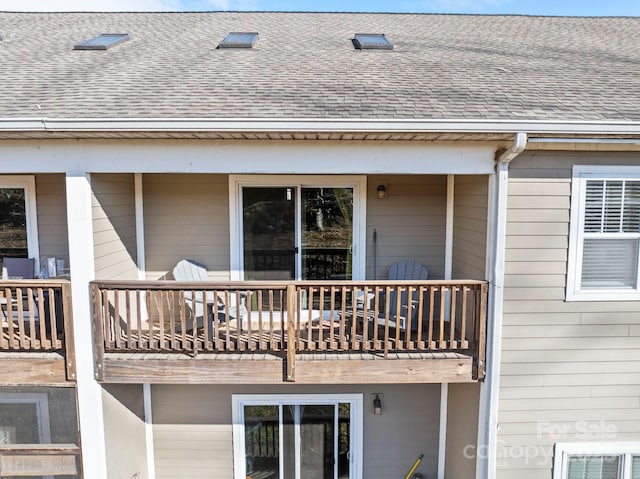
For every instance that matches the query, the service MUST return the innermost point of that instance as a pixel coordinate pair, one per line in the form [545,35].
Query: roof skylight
[239,40]
[103,41]
[372,41]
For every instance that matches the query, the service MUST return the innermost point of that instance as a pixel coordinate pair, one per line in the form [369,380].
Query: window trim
[238,401]
[563,451]
[28,184]
[580,175]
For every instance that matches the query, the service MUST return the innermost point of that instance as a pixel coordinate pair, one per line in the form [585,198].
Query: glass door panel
[269,233]
[317,444]
[327,233]
[262,441]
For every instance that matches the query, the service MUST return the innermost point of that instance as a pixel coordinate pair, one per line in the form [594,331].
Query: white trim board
[247,157]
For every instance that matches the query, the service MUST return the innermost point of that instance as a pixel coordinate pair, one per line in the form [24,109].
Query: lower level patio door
[293,227]
[297,437]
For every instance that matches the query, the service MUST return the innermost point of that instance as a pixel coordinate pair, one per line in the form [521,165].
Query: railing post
[481,340]
[67,318]
[291,332]
[98,331]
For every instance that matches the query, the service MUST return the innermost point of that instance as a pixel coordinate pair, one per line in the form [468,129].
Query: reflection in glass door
[298,441]
[279,222]
[269,233]
[327,233]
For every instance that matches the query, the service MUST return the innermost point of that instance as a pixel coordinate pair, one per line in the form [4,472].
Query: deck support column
[81,259]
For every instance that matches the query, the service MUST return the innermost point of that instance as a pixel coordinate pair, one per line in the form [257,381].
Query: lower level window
[298,436]
[597,461]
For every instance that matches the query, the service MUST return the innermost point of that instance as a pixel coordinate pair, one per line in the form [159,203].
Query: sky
[524,7]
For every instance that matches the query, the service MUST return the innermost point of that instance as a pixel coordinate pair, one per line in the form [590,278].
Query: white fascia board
[247,157]
[321,125]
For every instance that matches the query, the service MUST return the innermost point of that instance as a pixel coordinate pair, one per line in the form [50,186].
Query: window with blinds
[593,460]
[604,242]
[611,234]
[593,467]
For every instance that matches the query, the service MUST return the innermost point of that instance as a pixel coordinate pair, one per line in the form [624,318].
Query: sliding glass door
[298,230]
[297,439]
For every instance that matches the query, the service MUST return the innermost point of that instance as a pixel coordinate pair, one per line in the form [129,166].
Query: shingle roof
[305,66]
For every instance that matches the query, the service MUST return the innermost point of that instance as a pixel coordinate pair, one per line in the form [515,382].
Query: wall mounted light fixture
[377,406]
[382,192]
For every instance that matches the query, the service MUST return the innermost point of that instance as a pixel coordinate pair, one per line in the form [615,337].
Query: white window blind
[593,467]
[611,234]
[635,467]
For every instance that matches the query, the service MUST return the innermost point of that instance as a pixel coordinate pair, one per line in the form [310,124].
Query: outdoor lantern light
[382,192]
[377,406]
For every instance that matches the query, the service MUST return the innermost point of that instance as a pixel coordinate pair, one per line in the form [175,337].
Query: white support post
[448,273]
[81,259]
[442,440]
[448,254]
[148,428]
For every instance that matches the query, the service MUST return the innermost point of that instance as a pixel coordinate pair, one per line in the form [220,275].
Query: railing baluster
[127,299]
[453,344]
[19,307]
[321,342]
[45,342]
[9,315]
[443,298]
[161,320]
[151,341]
[173,342]
[464,344]
[139,314]
[419,341]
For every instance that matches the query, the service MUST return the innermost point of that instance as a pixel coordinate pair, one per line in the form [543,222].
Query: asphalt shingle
[304,66]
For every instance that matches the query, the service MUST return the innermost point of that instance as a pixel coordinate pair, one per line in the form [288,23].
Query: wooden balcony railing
[35,316]
[290,318]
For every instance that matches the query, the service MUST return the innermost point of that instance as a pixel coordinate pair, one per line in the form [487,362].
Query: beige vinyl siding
[186,216]
[124,431]
[470,226]
[570,371]
[462,430]
[51,204]
[410,222]
[114,226]
[193,431]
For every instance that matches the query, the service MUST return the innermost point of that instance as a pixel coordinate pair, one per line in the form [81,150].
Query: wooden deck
[266,368]
[338,332]
[36,333]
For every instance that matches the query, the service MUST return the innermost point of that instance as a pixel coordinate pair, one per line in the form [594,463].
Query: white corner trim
[442,438]
[28,184]
[148,429]
[139,208]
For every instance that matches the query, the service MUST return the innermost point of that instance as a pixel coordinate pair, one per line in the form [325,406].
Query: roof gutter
[488,424]
[535,127]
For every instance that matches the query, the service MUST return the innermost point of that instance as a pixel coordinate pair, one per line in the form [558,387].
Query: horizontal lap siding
[114,226]
[51,204]
[186,216]
[410,222]
[570,371]
[193,432]
[470,226]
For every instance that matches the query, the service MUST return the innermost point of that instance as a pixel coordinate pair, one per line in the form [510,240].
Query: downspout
[488,423]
